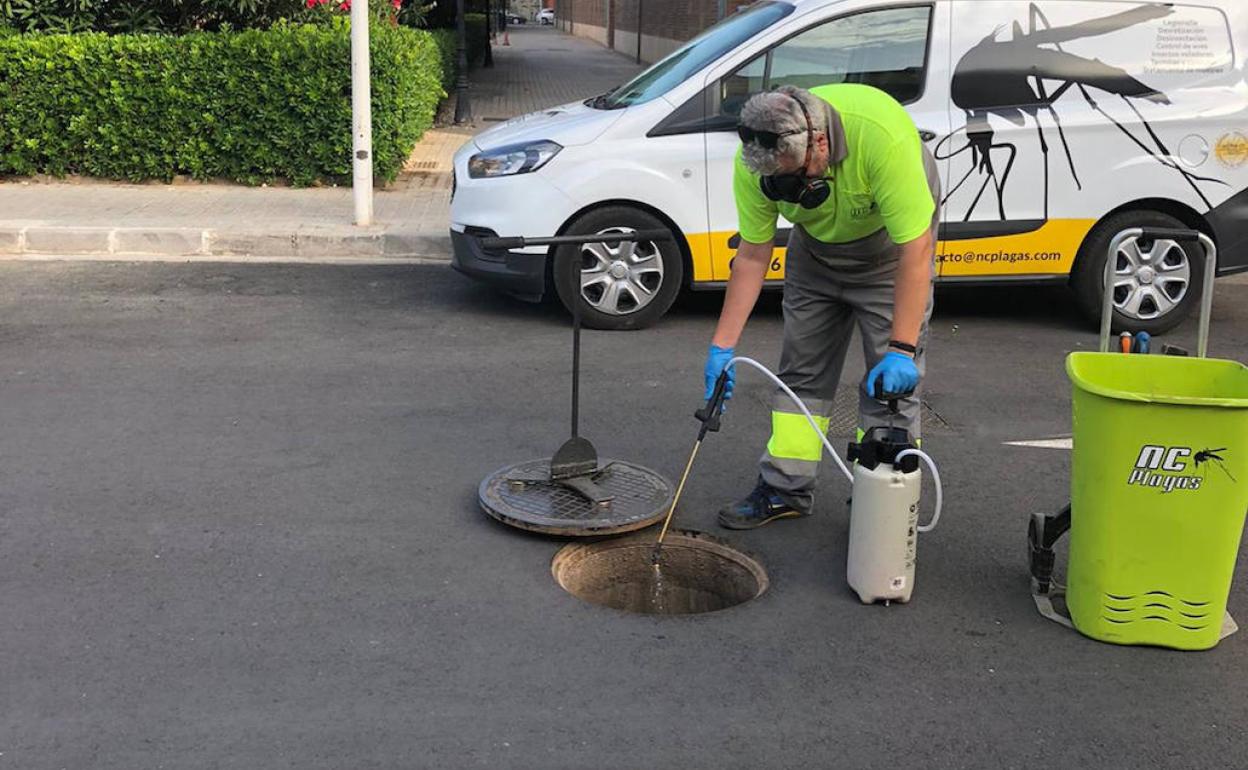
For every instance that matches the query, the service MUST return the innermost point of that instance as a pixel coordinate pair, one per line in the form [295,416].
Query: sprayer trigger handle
[709,416]
[710,413]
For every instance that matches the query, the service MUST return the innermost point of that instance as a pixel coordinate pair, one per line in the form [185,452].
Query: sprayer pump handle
[880,395]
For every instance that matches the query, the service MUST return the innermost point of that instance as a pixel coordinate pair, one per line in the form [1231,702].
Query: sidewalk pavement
[188,220]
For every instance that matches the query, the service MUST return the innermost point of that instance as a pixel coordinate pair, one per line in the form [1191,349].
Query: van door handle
[926,135]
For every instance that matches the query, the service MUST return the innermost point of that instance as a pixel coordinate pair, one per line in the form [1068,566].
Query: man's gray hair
[779,111]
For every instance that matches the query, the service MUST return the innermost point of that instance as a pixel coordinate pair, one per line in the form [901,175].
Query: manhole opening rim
[570,555]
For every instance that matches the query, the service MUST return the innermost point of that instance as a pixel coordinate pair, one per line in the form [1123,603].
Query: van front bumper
[517,273]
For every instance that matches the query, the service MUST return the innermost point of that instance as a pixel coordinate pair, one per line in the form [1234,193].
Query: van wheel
[1157,282]
[619,286]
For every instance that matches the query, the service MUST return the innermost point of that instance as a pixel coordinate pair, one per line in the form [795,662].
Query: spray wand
[709,416]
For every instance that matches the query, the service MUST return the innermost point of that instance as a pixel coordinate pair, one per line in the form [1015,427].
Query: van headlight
[512,159]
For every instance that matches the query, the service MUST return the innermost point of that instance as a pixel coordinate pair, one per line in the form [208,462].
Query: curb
[340,242]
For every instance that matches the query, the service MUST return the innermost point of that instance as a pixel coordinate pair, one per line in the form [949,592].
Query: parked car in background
[546,16]
[515,18]
[1056,125]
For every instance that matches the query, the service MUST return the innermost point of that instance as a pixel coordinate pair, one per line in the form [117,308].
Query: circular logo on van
[1232,149]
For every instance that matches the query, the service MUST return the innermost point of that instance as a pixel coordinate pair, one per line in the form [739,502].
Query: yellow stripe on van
[1048,250]
[711,256]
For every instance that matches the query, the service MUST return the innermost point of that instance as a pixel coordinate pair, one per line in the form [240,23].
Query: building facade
[646,29]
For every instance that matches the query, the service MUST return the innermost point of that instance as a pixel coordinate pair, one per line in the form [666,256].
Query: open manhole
[696,573]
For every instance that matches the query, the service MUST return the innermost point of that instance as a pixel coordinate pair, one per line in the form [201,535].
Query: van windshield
[685,61]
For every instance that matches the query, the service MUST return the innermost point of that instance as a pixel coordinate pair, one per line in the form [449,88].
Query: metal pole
[463,109]
[576,358]
[490,29]
[722,10]
[1206,296]
[361,116]
[639,6]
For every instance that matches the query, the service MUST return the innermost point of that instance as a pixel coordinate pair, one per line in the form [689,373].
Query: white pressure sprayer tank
[884,516]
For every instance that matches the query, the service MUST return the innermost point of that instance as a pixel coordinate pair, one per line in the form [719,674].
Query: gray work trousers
[825,298]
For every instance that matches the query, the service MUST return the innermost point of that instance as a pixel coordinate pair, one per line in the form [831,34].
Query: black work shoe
[760,507]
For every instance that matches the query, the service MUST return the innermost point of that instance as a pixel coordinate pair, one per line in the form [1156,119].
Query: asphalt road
[238,529]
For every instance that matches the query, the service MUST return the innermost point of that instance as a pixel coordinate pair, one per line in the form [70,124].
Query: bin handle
[1206,295]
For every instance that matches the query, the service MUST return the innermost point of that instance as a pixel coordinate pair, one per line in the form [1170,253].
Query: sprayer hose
[931,464]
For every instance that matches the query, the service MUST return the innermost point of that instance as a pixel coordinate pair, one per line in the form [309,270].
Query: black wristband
[903,346]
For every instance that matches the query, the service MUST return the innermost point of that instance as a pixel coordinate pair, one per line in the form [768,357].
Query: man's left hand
[896,372]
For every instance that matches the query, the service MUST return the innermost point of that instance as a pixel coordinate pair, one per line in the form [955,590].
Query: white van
[1056,125]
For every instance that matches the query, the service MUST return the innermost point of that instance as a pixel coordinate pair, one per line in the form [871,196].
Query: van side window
[886,48]
[742,84]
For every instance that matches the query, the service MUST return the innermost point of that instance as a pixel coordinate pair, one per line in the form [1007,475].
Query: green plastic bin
[1159,478]
[1159,489]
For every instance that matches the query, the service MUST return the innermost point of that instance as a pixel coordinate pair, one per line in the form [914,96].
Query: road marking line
[236,260]
[1044,443]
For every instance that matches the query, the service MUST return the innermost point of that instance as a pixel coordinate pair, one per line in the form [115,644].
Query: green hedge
[145,15]
[477,34]
[478,37]
[448,47]
[250,106]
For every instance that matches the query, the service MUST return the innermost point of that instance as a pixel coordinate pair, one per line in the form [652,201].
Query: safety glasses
[765,139]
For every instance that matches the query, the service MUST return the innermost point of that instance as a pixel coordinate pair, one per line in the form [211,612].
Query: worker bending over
[844,164]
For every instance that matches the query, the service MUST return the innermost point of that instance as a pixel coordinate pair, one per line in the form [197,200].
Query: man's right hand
[716,359]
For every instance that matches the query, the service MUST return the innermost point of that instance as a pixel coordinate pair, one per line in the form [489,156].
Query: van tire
[1087,277]
[659,267]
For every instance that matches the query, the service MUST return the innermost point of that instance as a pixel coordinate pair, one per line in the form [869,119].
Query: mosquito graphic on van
[1006,78]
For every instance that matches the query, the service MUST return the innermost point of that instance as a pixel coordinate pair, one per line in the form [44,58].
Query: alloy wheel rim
[1151,278]
[622,278]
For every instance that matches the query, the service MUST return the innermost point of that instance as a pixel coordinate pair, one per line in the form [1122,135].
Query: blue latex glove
[898,372]
[716,359]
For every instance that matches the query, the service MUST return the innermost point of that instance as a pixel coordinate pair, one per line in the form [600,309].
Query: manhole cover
[523,496]
[695,573]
